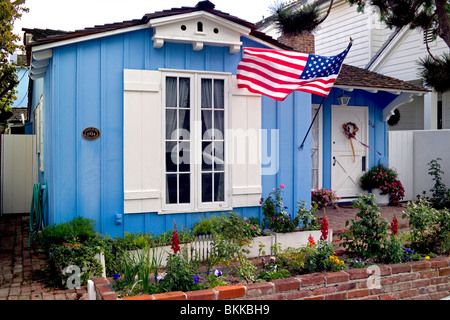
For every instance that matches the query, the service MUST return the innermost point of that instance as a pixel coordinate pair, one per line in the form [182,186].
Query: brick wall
[303,43]
[419,280]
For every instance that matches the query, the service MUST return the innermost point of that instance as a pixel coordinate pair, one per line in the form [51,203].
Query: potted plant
[383,183]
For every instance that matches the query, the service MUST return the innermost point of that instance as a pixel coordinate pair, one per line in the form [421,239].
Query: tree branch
[328,12]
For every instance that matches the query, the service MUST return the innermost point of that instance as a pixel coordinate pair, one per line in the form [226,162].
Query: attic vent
[199,26]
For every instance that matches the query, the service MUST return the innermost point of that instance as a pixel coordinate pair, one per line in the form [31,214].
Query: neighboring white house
[393,53]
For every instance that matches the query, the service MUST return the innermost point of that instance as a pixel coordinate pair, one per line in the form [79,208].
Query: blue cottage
[141,123]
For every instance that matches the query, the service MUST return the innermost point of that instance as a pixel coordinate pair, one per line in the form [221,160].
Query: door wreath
[351,134]
[350,129]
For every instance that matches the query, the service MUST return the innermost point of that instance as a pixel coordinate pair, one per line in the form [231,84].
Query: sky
[69,15]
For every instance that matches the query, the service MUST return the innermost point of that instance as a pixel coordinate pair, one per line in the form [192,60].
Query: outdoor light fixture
[343,99]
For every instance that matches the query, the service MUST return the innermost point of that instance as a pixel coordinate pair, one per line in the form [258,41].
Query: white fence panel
[401,158]
[16,173]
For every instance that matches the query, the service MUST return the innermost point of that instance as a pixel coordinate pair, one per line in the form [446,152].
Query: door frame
[336,108]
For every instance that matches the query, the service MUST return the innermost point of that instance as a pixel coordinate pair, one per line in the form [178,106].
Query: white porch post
[430,111]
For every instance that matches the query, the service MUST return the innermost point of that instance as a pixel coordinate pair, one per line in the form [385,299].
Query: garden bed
[417,280]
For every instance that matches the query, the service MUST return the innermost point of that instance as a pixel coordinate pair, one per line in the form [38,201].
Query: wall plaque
[91,133]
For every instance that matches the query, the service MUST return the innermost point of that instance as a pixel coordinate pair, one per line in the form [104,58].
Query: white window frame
[319,120]
[196,204]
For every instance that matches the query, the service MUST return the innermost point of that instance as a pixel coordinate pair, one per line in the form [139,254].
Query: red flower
[281,186]
[311,241]
[394,225]
[324,229]
[175,240]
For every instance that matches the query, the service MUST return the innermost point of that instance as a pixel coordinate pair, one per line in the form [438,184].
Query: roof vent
[205,5]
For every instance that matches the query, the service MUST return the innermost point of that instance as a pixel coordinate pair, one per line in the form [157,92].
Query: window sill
[214,209]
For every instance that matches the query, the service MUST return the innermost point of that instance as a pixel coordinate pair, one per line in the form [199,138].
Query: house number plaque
[91,133]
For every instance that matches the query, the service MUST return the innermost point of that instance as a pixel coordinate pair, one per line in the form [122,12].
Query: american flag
[277,73]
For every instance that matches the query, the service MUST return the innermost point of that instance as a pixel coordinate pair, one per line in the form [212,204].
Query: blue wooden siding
[83,87]
[377,127]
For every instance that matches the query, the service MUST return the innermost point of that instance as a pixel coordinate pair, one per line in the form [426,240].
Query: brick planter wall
[422,280]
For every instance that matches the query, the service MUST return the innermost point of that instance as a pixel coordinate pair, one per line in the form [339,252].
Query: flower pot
[71,244]
[381,199]
[266,242]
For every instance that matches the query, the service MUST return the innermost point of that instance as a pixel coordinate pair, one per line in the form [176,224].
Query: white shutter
[245,147]
[142,141]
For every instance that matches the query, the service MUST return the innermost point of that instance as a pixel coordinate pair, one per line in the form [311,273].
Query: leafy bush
[275,214]
[308,218]
[430,227]
[441,194]
[321,257]
[365,236]
[78,230]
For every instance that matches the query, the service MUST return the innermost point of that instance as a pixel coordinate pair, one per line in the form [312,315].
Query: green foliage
[78,230]
[296,20]
[365,236]
[318,258]
[9,12]
[308,218]
[275,215]
[436,74]
[393,250]
[376,177]
[207,226]
[271,270]
[63,256]
[430,227]
[181,273]
[441,194]
[246,270]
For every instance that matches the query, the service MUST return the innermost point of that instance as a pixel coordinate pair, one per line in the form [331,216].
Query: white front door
[347,166]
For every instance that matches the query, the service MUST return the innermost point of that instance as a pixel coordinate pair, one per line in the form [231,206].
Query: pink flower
[281,186]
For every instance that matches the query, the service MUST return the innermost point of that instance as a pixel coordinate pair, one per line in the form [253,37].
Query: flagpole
[312,122]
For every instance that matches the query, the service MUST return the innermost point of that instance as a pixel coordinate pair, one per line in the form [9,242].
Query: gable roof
[52,36]
[350,77]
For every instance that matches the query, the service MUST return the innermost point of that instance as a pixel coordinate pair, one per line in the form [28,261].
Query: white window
[183,131]
[195,112]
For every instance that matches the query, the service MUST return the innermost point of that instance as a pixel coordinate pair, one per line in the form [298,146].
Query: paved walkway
[21,267]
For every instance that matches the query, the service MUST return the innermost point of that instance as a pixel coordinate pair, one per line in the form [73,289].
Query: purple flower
[116,276]
[196,279]
[218,273]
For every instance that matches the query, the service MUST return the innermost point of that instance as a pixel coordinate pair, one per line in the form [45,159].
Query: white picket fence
[201,248]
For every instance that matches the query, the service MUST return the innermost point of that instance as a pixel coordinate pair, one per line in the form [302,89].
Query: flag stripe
[277,73]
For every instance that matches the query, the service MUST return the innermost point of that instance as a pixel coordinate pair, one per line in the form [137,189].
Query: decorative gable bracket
[198,28]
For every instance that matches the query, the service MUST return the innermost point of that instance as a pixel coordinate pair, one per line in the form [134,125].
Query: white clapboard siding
[401,158]
[245,146]
[16,173]
[334,33]
[401,58]
[142,141]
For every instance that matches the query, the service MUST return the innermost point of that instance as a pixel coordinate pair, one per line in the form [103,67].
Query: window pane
[219,125]
[185,156]
[219,100]
[171,124]
[206,93]
[171,190]
[207,187]
[219,186]
[184,93]
[185,124]
[207,158]
[171,92]
[219,153]
[171,156]
[206,125]
[185,188]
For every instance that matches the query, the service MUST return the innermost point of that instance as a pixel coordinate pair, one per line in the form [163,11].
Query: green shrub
[78,230]
[365,236]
